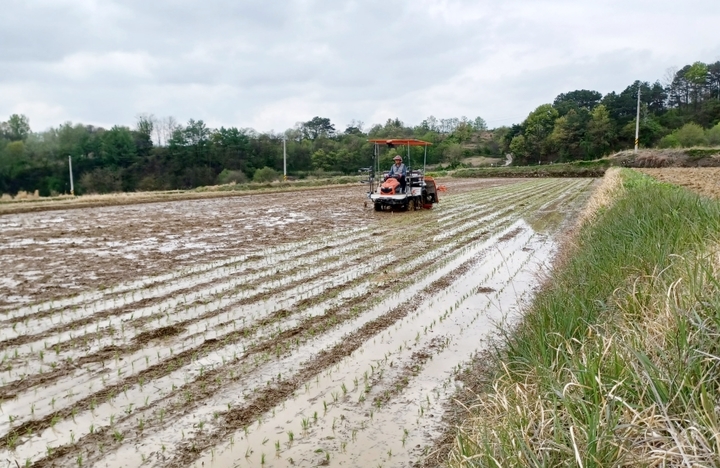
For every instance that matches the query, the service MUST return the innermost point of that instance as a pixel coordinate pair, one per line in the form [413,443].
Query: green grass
[617,362]
[700,153]
[595,168]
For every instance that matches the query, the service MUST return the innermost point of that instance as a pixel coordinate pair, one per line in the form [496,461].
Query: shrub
[669,141]
[266,174]
[101,181]
[690,134]
[229,177]
[712,135]
[148,183]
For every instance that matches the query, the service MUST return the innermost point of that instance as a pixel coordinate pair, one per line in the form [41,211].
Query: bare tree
[169,125]
[669,76]
[145,124]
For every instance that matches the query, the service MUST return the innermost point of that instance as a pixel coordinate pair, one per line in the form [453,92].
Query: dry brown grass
[703,180]
[483,161]
[610,188]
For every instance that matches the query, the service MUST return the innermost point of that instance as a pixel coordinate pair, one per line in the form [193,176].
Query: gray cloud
[271,64]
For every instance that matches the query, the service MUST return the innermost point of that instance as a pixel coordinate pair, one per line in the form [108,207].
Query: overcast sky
[268,64]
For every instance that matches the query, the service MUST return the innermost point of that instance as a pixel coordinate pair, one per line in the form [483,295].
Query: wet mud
[286,329]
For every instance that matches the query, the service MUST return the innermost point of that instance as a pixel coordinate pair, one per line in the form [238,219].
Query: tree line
[584,124]
[161,154]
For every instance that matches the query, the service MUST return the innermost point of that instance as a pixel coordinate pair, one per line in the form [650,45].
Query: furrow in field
[103,349]
[191,275]
[74,380]
[84,332]
[505,285]
[96,310]
[361,391]
[240,273]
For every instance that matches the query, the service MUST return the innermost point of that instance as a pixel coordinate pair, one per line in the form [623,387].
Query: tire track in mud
[258,349]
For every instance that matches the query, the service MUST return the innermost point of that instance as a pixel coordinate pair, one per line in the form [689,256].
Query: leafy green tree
[669,141]
[650,132]
[600,131]
[143,134]
[697,77]
[518,148]
[538,126]
[118,147]
[713,79]
[322,160]
[463,132]
[479,124]
[568,135]
[579,99]
[318,127]
[17,128]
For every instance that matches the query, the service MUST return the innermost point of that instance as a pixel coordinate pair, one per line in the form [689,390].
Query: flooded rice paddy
[298,329]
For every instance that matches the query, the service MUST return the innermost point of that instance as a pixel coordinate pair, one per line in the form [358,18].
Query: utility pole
[72,188]
[637,121]
[284,158]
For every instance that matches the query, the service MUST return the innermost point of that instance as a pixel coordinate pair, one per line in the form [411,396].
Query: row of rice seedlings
[63,316]
[459,328]
[371,378]
[68,396]
[185,276]
[204,306]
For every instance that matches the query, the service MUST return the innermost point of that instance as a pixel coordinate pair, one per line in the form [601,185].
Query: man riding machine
[401,187]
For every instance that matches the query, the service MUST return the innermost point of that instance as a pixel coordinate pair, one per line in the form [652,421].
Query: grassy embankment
[618,361]
[646,158]
[572,169]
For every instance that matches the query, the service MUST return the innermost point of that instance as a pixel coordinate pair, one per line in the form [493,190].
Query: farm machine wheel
[378,207]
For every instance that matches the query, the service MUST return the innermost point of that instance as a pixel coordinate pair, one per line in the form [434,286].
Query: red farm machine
[386,189]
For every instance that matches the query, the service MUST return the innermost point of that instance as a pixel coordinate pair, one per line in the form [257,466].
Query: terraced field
[259,331]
